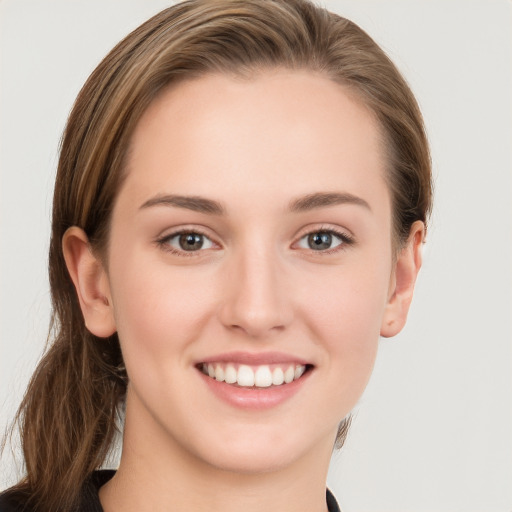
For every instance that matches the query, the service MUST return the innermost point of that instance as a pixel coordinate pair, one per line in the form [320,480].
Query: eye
[323,240]
[188,241]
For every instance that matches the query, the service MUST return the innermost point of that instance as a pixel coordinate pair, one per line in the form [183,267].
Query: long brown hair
[68,415]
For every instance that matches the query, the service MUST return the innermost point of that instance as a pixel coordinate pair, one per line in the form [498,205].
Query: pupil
[318,241]
[191,241]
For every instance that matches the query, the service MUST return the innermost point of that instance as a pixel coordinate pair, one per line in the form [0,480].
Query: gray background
[433,431]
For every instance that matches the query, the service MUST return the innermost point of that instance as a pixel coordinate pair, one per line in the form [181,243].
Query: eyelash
[163,242]
[345,240]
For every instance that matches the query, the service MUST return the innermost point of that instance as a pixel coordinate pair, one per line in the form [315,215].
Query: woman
[239,210]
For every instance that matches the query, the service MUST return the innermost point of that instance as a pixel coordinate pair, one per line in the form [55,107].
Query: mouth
[254,376]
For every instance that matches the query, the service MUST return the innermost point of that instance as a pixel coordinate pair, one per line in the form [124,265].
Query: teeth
[277,377]
[246,376]
[230,376]
[263,377]
[289,374]
[219,373]
[299,371]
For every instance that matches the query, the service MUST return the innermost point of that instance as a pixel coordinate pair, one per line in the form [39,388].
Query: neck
[156,474]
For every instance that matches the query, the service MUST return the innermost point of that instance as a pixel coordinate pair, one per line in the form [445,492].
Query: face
[250,268]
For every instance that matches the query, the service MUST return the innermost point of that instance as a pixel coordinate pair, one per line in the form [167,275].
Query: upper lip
[254,359]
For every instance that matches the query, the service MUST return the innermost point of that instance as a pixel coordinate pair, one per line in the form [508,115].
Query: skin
[255,147]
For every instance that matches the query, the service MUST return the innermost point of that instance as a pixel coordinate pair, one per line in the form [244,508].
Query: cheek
[346,319]
[350,303]
[157,311]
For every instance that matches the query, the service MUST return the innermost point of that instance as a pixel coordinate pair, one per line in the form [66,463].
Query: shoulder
[332,504]
[89,498]
[9,502]
[12,500]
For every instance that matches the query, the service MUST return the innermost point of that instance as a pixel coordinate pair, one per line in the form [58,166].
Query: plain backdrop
[433,431]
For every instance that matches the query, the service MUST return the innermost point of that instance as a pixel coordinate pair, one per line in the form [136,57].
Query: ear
[91,283]
[402,282]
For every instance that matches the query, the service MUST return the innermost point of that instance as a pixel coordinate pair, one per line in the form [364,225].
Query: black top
[90,501]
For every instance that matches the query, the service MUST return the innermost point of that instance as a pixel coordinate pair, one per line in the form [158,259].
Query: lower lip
[254,398]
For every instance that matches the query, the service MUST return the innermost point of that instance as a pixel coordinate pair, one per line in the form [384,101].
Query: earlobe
[91,283]
[401,290]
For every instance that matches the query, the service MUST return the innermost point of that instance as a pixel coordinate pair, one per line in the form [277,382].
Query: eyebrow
[323,199]
[301,204]
[195,203]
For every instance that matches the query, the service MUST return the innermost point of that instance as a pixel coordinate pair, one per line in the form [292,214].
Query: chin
[256,452]
[251,461]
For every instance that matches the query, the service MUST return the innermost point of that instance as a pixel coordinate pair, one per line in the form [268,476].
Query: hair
[68,417]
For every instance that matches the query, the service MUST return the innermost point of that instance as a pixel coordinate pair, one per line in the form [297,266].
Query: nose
[257,300]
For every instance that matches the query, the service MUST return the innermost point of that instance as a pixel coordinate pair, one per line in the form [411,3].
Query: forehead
[277,134]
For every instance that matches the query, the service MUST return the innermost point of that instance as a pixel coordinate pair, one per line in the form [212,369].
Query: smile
[258,376]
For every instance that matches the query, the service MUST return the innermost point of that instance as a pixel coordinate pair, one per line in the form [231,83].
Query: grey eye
[320,241]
